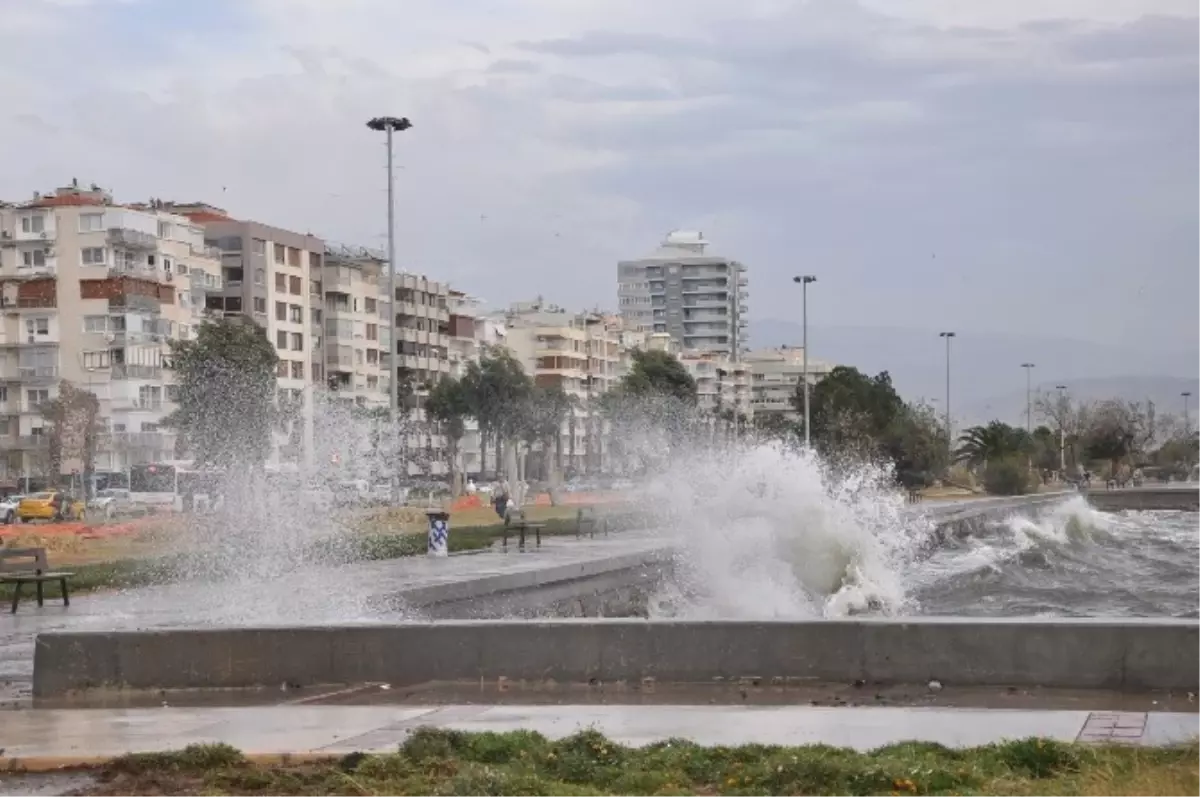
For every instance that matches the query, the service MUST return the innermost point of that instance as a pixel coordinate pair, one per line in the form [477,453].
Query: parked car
[41,506]
[8,509]
[110,502]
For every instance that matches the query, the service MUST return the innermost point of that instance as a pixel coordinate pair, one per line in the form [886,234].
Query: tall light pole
[1062,430]
[1187,432]
[390,125]
[949,431]
[804,280]
[1028,396]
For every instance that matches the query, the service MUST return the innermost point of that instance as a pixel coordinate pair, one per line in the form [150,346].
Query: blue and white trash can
[439,533]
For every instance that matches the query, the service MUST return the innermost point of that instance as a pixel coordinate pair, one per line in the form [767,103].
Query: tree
[72,416]
[979,445]
[548,407]
[659,374]
[1066,419]
[1119,430]
[915,441]
[497,390]
[449,404]
[226,381]
[850,412]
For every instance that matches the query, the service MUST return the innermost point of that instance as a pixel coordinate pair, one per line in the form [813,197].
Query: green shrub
[1008,476]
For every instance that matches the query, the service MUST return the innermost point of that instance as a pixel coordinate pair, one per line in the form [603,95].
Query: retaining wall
[1142,499]
[1112,654]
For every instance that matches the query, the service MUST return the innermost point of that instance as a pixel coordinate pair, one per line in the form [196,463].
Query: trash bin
[439,533]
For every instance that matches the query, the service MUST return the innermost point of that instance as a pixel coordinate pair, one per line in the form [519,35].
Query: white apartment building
[353,318]
[90,293]
[722,386]
[578,352]
[775,376]
[682,289]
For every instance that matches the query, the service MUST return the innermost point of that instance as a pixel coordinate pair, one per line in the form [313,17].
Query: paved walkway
[43,738]
[364,592]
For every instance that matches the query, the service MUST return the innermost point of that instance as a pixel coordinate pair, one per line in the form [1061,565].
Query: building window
[260,276]
[297,370]
[33,223]
[295,314]
[260,305]
[317,372]
[280,253]
[314,259]
[281,340]
[281,370]
[293,255]
[281,311]
[93,255]
[40,326]
[91,222]
[164,229]
[33,258]
[281,283]
[295,286]
[369,306]
[95,323]
[258,246]
[3,394]
[372,332]
[297,341]
[37,397]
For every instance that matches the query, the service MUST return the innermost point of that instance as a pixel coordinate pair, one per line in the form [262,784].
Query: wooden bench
[21,566]
[587,521]
[914,495]
[515,520]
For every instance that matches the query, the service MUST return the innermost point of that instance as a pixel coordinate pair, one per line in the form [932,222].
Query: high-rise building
[683,289]
[91,291]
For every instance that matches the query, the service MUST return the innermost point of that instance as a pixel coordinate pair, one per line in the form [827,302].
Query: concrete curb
[38,764]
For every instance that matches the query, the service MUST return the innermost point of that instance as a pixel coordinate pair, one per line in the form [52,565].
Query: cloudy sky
[1020,166]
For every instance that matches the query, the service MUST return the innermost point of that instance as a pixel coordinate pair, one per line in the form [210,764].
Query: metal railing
[132,239]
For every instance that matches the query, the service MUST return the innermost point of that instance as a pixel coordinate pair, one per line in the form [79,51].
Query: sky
[1018,167]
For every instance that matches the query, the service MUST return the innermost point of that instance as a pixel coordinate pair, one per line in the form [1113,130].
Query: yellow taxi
[41,506]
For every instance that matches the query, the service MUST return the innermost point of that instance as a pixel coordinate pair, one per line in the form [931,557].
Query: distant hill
[987,380]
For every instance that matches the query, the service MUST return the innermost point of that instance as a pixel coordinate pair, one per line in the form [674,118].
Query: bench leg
[521,542]
[16,595]
[65,595]
[41,596]
[538,534]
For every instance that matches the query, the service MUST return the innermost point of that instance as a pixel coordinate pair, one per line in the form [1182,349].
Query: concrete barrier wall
[1112,654]
[1143,499]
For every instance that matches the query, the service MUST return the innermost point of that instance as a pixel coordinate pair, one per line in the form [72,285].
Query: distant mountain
[987,380]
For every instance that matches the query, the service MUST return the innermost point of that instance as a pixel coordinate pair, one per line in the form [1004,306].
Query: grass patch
[343,549]
[436,761]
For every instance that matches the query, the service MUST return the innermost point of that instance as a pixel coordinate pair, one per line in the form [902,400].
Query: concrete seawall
[1143,499]
[1127,655]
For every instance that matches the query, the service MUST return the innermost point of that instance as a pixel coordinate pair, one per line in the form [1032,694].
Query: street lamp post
[390,125]
[1187,431]
[1029,404]
[804,281]
[949,430]
[1062,431]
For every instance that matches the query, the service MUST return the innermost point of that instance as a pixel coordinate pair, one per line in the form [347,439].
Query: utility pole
[804,280]
[1029,405]
[389,125]
[949,430]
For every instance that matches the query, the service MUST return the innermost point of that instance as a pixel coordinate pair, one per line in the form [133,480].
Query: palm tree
[980,444]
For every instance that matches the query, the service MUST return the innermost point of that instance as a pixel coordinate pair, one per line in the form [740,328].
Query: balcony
[29,442]
[47,270]
[125,441]
[137,372]
[135,301]
[132,239]
[42,374]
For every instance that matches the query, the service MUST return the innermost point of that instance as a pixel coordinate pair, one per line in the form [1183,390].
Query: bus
[166,484]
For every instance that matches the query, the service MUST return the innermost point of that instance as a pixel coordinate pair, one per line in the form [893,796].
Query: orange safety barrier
[466,502]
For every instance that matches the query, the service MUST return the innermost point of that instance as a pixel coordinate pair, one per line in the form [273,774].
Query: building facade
[775,376]
[682,289]
[91,292]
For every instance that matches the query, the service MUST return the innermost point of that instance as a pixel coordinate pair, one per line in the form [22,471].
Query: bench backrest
[514,516]
[586,516]
[23,560]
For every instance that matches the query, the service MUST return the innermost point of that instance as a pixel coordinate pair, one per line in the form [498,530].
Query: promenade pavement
[44,739]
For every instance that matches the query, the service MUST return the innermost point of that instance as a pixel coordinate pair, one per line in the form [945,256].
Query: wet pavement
[364,592]
[44,738]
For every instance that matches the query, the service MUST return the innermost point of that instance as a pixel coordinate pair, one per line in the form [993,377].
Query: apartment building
[269,275]
[682,289]
[578,352]
[354,360]
[90,293]
[722,386]
[775,376]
